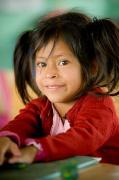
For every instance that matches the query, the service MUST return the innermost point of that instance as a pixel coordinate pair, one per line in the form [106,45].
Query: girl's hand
[8,147]
[28,154]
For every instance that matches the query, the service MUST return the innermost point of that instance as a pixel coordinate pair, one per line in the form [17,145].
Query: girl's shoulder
[90,99]
[94,99]
[40,100]
[39,103]
[92,103]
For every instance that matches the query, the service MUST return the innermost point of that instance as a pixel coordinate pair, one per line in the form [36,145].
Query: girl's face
[58,72]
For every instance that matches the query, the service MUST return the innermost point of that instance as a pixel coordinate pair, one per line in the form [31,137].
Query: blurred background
[17,16]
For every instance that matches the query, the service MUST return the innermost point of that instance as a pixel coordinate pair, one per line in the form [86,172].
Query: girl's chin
[55,100]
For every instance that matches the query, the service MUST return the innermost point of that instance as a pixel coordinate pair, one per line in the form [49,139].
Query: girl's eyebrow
[41,57]
[57,55]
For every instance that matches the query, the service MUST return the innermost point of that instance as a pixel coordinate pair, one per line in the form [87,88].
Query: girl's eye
[41,64]
[63,62]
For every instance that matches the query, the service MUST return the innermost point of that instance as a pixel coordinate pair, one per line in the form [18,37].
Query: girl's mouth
[54,87]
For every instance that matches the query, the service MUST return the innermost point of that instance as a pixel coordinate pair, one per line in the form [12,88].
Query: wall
[17,16]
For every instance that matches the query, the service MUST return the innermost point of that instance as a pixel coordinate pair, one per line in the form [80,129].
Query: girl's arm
[25,125]
[92,128]
[13,136]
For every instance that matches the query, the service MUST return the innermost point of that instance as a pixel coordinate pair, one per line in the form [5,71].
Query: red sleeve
[92,128]
[26,125]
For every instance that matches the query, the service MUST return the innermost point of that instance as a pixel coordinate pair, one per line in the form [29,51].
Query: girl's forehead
[55,48]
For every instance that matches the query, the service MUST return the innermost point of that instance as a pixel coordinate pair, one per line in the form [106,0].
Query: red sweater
[94,129]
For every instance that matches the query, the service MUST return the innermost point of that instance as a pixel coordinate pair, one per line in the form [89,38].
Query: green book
[66,169]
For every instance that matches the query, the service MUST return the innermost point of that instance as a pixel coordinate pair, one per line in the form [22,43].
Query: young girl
[72,63]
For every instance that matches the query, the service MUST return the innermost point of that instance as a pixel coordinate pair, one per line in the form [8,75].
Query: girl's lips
[54,86]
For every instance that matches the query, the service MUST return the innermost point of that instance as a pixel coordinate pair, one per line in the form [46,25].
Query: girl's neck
[63,108]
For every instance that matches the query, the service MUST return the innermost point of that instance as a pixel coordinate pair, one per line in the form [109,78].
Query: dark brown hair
[95,43]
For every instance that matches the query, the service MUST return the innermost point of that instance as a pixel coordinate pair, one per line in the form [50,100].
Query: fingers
[16,153]
[14,149]
[16,159]
[24,158]
[4,144]
[27,156]
[2,157]
[7,146]
[24,155]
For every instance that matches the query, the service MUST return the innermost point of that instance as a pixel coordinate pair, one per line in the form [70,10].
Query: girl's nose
[51,72]
[51,76]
